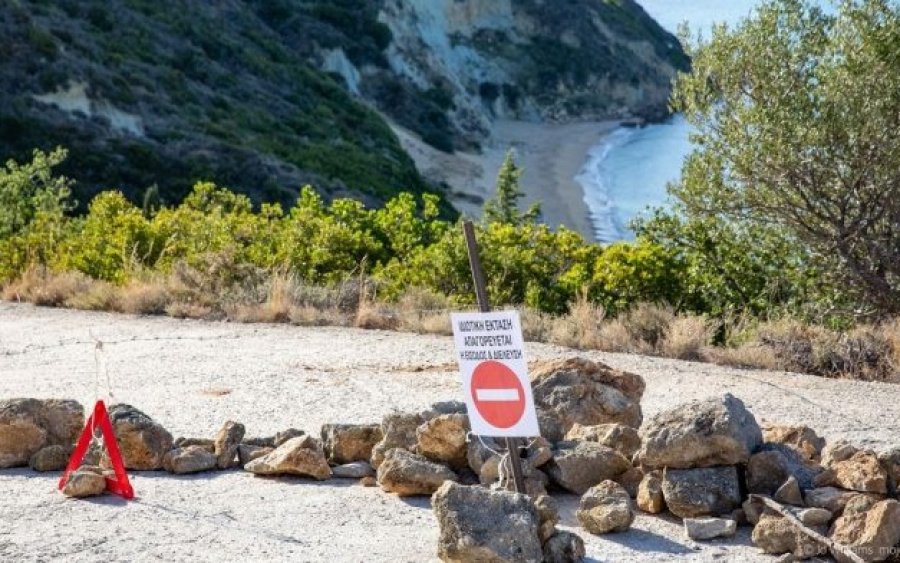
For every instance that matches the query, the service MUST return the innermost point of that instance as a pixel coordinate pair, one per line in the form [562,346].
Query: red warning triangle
[120,485]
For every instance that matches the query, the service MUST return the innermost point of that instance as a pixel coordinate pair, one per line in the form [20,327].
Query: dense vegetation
[766,225]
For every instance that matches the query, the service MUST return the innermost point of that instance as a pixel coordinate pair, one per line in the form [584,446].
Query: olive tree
[797,119]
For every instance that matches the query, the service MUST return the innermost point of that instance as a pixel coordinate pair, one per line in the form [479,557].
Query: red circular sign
[498,394]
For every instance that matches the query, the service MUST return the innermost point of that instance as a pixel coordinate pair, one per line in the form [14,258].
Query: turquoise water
[628,173]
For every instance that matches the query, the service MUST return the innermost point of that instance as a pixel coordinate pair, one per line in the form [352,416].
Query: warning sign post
[494,373]
[502,401]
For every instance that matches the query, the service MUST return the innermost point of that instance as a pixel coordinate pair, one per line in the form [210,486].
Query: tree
[504,206]
[797,117]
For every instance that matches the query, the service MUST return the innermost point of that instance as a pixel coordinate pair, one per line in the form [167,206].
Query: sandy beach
[551,155]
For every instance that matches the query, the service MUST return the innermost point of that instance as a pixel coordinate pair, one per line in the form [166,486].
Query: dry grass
[581,327]
[870,352]
[42,287]
[686,337]
[143,298]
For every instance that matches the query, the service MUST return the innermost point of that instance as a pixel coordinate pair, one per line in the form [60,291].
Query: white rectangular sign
[491,354]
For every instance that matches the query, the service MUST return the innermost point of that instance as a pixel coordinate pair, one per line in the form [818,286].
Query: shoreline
[552,156]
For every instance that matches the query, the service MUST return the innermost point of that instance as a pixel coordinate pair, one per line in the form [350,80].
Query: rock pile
[707,462]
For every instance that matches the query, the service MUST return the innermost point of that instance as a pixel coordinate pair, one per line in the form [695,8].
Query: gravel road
[191,376]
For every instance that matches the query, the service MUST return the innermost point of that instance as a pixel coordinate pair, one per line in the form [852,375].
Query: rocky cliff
[265,95]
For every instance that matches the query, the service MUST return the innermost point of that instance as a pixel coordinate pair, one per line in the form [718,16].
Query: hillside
[264,96]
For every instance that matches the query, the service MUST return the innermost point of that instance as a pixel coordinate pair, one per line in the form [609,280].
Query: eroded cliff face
[538,60]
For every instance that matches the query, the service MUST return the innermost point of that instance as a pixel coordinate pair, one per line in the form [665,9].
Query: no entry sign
[494,372]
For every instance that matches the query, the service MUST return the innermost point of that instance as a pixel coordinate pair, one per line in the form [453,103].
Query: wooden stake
[512,444]
[806,530]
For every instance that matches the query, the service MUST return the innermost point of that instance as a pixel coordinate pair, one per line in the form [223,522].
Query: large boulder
[769,469]
[407,474]
[708,491]
[861,472]
[577,390]
[801,438]
[605,508]
[301,456]
[143,442]
[478,525]
[715,431]
[564,547]
[398,431]
[578,466]
[27,425]
[775,535]
[443,439]
[347,443]
[873,534]
[623,439]
[189,459]
[226,444]
[649,494]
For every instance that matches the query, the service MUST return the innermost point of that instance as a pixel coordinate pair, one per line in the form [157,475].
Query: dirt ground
[191,376]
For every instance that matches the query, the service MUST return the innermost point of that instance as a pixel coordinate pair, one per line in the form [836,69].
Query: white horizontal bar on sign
[497,394]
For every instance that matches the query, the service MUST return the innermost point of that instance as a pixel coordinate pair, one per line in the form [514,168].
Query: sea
[626,176]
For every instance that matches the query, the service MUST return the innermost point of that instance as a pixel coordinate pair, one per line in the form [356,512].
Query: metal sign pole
[512,444]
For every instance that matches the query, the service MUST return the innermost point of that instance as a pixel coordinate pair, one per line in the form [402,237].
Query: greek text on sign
[490,350]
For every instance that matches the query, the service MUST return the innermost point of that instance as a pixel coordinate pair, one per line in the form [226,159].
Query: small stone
[51,458]
[770,468]
[753,509]
[623,439]
[577,466]
[860,472]
[398,431]
[301,456]
[368,482]
[84,483]
[347,443]
[802,438]
[536,482]
[143,442]
[631,480]
[260,441]
[247,453]
[709,528]
[650,495]
[476,524]
[789,492]
[548,514]
[829,498]
[813,517]
[285,435]
[205,443]
[21,432]
[564,547]
[540,452]
[710,491]
[713,432]
[355,470]
[190,459]
[837,451]
[226,444]
[408,474]
[443,439]
[775,535]
[605,508]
